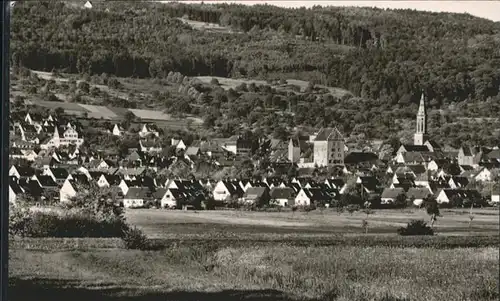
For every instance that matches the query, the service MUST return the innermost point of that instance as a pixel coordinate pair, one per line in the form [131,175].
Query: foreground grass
[258,273]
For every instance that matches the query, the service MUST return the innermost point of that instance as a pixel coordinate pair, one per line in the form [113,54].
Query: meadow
[165,223]
[240,255]
[256,273]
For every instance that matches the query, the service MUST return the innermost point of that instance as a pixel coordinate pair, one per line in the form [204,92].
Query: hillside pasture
[159,223]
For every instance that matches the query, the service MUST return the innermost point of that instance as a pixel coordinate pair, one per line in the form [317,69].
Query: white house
[117,130]
[225,189]
[486,174]
[178,143]
[495,197]
[88,5]
[446,195]
[145,131]
[67,191]
[136,197]
[68,137]
[282,196]
[308,196]
[172,197]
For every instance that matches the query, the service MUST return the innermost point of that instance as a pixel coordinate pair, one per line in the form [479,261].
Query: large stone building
[421,136]
[328,147]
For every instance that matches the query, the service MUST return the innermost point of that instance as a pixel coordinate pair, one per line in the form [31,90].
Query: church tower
[420,136]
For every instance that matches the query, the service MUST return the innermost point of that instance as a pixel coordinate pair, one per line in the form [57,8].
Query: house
[308,196]
[87,5]
[136,197]
[338,184]
[437,164]
[328,147]
[117,130]
[69,189]
[178,143]
[21,172]
[106,180]
[469,196]
[370,184]
[469,156]
[58,174]
[495,196]
[257,195]
[486,174]
[296,148]
[412,148]
[456,182]
[418,195]
[14,189]
[171,198]
[283,196]
[410,158]
[389,195]
[225,189]
[149,146]
[147,131]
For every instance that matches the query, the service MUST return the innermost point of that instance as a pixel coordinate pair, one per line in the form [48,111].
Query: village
[53,170]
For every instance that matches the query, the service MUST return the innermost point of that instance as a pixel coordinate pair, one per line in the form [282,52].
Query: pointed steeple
[421,108]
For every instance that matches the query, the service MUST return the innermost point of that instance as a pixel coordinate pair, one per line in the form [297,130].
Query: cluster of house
[415,171]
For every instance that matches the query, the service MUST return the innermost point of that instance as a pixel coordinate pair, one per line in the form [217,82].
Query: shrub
[134,239]
[416,227]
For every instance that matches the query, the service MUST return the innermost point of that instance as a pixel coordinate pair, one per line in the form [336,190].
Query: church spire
[421,108]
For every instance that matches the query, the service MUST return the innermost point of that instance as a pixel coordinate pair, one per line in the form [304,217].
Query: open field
[255,273]
[162,223]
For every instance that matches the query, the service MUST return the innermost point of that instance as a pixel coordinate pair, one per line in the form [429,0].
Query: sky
[484,9]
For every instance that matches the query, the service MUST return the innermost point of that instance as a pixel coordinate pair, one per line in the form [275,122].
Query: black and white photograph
[250,150]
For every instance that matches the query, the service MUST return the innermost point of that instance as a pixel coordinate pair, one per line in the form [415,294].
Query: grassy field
[255,273]
[163,223]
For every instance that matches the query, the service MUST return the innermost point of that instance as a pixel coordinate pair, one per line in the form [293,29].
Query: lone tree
[432,208]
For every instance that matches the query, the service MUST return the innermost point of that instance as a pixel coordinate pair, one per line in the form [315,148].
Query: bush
[26,223]
[416,227]
[135,239]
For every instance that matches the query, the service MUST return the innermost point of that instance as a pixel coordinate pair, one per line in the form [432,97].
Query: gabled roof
[460,181]
[14,185]
[112,179]
[336,183]
[282,193]
[415,148]
[233,188]
[59,173]
[392,193]
[46,181]
[358,157]
[326,134]
[470,194]
[159,193]
[256,192]
[25,171]
[418,193]
[316,194]
[138,193]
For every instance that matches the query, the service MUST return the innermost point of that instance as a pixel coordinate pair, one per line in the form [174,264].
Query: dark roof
[392,193]
[462,193]
[460,181]
[316,194]
[112,179]
[233,188]
[358,157]
[434,144]
[46,181]
[418,193]
[326,134]
[415,148]
[25,171]
[14,185]
[336,183]
[306,171]
[159,193]
[138,193]
[282,193]
[59,173]
[256,192]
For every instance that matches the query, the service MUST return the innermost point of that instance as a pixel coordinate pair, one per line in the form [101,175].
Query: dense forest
[384,57]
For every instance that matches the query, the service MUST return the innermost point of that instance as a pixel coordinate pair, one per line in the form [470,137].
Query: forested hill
[384,55]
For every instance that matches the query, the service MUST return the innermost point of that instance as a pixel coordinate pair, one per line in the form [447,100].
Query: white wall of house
[123,186]
[302,199]
[133,203]
[432,166]
[66,192]
[168,200]
[13,172]
[220,191]
[102,182]
[495,198]
[12,196]
[442,198]
[483,176]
